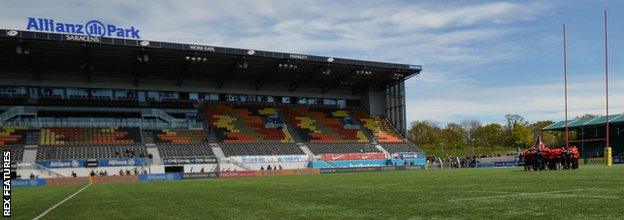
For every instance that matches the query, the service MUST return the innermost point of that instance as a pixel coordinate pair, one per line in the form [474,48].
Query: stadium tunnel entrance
[174,169]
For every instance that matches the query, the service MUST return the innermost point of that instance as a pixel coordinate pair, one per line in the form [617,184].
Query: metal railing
[11,117]
[17,111]
[42,169]
[240,164]
[101,122]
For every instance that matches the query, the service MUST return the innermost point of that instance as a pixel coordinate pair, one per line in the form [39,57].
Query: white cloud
[445,38]
[535,102]
[412,32]
[442,17]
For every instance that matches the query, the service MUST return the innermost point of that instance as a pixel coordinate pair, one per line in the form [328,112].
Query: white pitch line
[586,196]
[112,201]
[484,191]
[61,202]
[518,194]
[333,187]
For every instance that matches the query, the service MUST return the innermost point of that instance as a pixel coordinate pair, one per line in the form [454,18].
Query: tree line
[515,133]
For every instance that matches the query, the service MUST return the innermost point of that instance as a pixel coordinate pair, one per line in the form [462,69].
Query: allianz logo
[121,162]
[93,28]
[73,163]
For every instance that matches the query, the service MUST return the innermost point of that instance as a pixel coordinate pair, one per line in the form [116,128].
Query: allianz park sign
[93,28]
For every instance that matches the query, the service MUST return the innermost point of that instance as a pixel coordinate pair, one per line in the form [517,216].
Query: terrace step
[217,151]
[289,127]
[381,149]
[148,137]
[30,154]
[156,159]
[306,150]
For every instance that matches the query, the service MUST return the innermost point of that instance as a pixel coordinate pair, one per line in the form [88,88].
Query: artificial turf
[592,192]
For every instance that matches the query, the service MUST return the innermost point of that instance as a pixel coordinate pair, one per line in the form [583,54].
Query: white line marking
[586,196]
[334,187]
[519,194]
[112,201]
[61,202]
[484,191]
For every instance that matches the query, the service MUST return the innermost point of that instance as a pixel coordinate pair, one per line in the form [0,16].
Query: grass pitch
[593,192]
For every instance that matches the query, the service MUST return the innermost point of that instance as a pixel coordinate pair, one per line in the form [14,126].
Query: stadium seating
[89,136]
[379,127]
[171,103]
[241,130]
[324,125]
[10,135]
[13,100]
[17,152]
[240,149]
[102,101]
[93,101]
[54,100]
[83,152]
[63,113]
[179,136]
[328,148]
[185,151]
[246,124]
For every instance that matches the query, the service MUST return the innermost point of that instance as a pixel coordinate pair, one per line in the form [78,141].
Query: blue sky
[482,59]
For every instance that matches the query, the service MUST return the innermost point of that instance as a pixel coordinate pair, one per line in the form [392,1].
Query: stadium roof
[86,55]
[590,122]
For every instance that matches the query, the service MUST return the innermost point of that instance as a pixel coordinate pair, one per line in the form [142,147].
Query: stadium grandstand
[80,103]
[589,134]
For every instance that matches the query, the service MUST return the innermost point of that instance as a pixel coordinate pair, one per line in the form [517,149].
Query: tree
[548,137]
[514,120]
[539,125]
[424,132]
[521,136]
[454,134]
[517,131]
[491,135]
[587,116]
[472,128]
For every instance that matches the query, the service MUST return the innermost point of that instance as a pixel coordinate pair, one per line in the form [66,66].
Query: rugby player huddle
[539,157]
